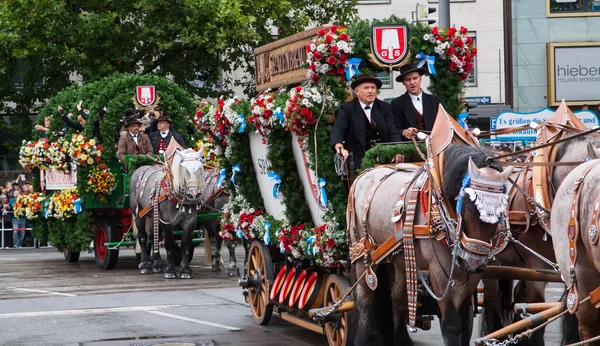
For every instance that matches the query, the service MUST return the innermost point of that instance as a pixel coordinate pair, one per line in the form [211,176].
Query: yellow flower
[90,161]
[92,141]
[99,153]
[83,157]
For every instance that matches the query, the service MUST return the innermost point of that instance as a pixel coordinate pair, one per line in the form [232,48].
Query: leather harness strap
[573,235]
[593,230]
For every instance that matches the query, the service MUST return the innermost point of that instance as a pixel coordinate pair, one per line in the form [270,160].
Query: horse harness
[573,234]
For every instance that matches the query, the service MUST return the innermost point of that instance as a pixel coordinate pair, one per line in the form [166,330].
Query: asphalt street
[46,301]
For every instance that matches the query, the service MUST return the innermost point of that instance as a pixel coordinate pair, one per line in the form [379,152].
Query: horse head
[481,206]
[577,149]
[188,175]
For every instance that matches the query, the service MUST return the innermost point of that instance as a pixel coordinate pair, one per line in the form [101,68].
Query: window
[374,2]
[385,78]
[19,74]
[472,79]
[571,8]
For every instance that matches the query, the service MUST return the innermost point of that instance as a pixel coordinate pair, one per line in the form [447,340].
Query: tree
[44,43]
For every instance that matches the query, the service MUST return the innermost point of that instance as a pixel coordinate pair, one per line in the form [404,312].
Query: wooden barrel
[286,287]
[278,282]
[313,291]
[297,288]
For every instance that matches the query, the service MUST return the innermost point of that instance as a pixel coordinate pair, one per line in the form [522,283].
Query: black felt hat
[408,68]
[366,78]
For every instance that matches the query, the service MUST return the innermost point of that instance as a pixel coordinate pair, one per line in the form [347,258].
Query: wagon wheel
[71,256]
[260,274]
[105,233]
[339,327]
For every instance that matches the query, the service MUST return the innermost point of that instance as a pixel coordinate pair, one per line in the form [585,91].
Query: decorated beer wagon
[82,190]
[310,255]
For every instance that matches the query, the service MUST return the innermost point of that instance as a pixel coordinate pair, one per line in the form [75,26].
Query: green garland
[384,154]
[138,161]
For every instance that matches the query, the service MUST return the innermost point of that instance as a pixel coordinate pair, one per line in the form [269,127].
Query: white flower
[426,37]
[432,39]
[322,48]
[309,56]
[342,45]
[305,102]
[313,47]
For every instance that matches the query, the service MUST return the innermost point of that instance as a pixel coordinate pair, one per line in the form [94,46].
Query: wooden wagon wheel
[339,327]
[260,274]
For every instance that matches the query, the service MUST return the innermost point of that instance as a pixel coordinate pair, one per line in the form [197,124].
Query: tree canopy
[44,44]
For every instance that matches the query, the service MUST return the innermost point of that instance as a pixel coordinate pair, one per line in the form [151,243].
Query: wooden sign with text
[280,62]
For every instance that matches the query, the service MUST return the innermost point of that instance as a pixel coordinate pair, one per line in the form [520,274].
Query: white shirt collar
[363,105]
[414,97]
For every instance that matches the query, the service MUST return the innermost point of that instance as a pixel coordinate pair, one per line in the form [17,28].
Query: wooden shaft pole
[345,307]
[534,308]
[514,273]
[480,289]
[521,325]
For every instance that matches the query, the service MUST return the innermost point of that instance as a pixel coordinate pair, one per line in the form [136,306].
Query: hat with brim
[131,121]
[366,78]
[163,118]
[408,68]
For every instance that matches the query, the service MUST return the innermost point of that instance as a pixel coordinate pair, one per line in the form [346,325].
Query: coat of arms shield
[390,43]
[146,95]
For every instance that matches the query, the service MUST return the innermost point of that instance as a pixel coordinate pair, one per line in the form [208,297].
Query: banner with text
[575,74]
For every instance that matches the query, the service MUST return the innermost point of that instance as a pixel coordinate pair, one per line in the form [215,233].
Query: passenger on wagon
[160,139]
[415,110]
[363,121]
[133,142]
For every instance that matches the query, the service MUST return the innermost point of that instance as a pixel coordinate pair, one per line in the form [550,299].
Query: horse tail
[383,303]
[506,296]
[570,326]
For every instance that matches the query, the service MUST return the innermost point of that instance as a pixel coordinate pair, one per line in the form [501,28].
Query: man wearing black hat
[415,110]
[160,139]
[363,121]
[133,142]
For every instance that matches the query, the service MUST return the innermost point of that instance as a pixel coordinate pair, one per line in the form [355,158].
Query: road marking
[46,292]
[193,320]
[96,311]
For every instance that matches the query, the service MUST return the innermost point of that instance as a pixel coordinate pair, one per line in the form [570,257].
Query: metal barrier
[2,230]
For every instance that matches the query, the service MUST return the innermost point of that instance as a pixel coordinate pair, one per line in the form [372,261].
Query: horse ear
[593,151]
[507,172]
[473,170]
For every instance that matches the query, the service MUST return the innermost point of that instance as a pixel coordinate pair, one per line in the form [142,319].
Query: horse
[479,214]
[214,199]
[576,220]
[168,195]
[498,294]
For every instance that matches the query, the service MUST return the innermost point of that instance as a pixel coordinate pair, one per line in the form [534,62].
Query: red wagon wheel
[104,232]
[260,273]
[338,329]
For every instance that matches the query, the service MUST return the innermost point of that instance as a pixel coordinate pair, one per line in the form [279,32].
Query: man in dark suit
[363,121]
[133,142]
[415,110]
[160,139]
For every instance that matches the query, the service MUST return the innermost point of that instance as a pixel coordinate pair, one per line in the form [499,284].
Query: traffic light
[423,12]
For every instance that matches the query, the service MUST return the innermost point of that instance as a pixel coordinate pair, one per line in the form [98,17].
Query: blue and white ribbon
[222,176]
[323,194]
[462,120]
[77,206]
[276,183]
[235,169]
[47,210]
[267,237]
[466,182]
[242,121]
[352,67]
[429,59]
[279,115]
[310,248]
[239,233]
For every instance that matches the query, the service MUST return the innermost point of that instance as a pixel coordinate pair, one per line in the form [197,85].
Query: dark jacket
[155,138]
[404,112]
[72,124]
[349,127]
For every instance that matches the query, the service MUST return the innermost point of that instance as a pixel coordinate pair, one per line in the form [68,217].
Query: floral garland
[43,155]
[263,113]
[82,152]
[209,151]
[454,45]
[101,182]
[303,104]
[223,119]
[328,53]
[29,205]
[63,204]
[201,121]
[330,245]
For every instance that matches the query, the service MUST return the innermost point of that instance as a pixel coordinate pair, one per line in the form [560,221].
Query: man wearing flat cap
[160,139]
[133,141]
[415,110]
[363,121]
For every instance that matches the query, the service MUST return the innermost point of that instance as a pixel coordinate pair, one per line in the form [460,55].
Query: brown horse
[480,212]
[584,275]
[498,296]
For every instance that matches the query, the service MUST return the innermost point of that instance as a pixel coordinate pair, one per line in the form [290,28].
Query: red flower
[317,55]
[474,51]
[308,48]
[330,242]
[458,43]
[321,32]
[343,37]
[463,30]
[328,39]
[343,58]
[451,32]
[439,38]
[257,212]
[340,71]
[435,30]
[331,60]
[464,76]
[333,49]
[453,66]
[469,41]
[99,147]
[102,166]
[334,28]
[450,51]
[46,146]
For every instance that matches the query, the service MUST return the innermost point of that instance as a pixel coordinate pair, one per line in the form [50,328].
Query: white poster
[54,180]
[273,205]
[310,183]
[577,74]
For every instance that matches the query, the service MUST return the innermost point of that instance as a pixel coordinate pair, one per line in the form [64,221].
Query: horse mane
[456,163]
[575,145]
[181,176]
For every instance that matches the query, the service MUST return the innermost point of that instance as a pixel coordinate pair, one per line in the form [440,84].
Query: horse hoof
[234,272]
[145,271]
[217,268]
[156,270]
[186,276]
[170,276]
